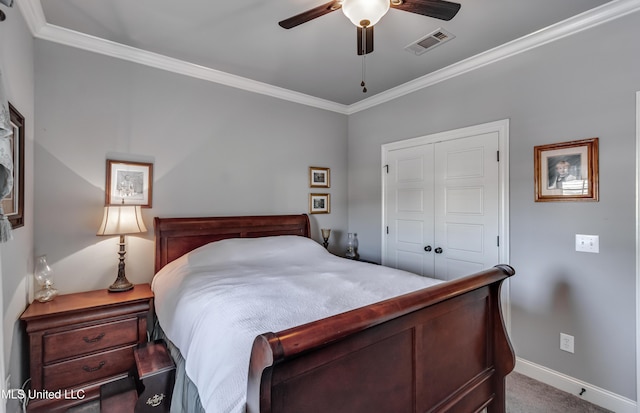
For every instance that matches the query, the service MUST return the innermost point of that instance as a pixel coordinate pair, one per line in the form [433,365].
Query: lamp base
[120,285]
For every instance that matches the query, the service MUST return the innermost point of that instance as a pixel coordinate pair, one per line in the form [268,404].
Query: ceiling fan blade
[439,9]
[311,14]
[367,46]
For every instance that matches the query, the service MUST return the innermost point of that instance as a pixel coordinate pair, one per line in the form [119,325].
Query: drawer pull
[92,369]
[93,340]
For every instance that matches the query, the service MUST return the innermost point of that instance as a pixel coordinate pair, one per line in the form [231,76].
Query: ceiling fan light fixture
[365,13]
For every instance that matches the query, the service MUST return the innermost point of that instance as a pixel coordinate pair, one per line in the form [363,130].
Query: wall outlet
[566,342]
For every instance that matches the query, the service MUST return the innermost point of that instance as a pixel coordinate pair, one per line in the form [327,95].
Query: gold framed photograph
[319,177]
[129,183]
[319,203]
[566,171]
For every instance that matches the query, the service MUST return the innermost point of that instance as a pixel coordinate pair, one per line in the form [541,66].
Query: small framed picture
[319,203]
[319,177]
[566,171]
[129,183]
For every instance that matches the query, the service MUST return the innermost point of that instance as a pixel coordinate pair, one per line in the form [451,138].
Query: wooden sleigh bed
[439,349]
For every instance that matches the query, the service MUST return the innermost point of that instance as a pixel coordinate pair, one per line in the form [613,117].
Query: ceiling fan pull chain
[364,56]
[364,88]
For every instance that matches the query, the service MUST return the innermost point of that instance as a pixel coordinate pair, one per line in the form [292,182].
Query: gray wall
[579,87]
[216,151]
[16,256]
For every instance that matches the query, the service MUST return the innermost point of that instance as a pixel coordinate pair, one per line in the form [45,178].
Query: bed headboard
[177,236]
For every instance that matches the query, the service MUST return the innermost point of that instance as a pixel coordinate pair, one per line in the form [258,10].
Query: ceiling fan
[364,14]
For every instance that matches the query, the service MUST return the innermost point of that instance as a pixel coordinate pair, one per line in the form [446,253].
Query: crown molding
[32,12]
[105,47]
[34,16]
[599,15]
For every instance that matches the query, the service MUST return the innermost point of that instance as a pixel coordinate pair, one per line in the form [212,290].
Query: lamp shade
[121,220]
[365,13]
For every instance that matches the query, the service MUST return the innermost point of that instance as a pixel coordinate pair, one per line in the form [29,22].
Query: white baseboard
[592,394]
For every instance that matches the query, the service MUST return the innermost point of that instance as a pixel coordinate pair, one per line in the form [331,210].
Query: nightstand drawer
[80,341]
[86,369]
[87,340]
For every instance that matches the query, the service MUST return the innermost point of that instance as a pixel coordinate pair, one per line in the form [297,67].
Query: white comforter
[214,301]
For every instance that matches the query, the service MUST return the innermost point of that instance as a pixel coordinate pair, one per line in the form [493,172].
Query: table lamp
[326,233]
[121,220]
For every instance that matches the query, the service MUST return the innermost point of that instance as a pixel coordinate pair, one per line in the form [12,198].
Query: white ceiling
[318,58]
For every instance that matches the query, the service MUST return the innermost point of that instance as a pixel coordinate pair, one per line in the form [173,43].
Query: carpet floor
[526,395]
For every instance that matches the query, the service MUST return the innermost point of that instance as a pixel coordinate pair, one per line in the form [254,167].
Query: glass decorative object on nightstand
[326,233]
[44,276]
[352,246]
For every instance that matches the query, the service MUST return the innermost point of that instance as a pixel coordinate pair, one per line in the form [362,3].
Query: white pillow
[235,250]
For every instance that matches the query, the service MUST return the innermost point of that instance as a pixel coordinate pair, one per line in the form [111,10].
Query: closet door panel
[409,209]
[466,205]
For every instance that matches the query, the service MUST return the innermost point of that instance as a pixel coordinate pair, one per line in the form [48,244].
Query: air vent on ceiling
[429,41]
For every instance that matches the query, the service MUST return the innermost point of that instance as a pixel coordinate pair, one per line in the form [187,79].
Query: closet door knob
[438,250]
[427,248]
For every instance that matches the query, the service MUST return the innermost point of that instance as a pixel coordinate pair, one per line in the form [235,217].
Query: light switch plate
[588,243]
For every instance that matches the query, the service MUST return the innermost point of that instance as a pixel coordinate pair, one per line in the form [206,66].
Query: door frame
[638,251]
[502,128]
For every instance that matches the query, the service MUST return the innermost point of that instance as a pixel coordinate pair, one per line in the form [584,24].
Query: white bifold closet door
[442,207]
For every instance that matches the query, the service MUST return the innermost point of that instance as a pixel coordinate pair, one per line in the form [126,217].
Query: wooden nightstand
[78,342]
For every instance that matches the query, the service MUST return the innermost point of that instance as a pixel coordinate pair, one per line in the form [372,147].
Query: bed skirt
[185,398]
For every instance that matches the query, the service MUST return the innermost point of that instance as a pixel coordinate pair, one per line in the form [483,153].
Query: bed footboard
[440,349]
